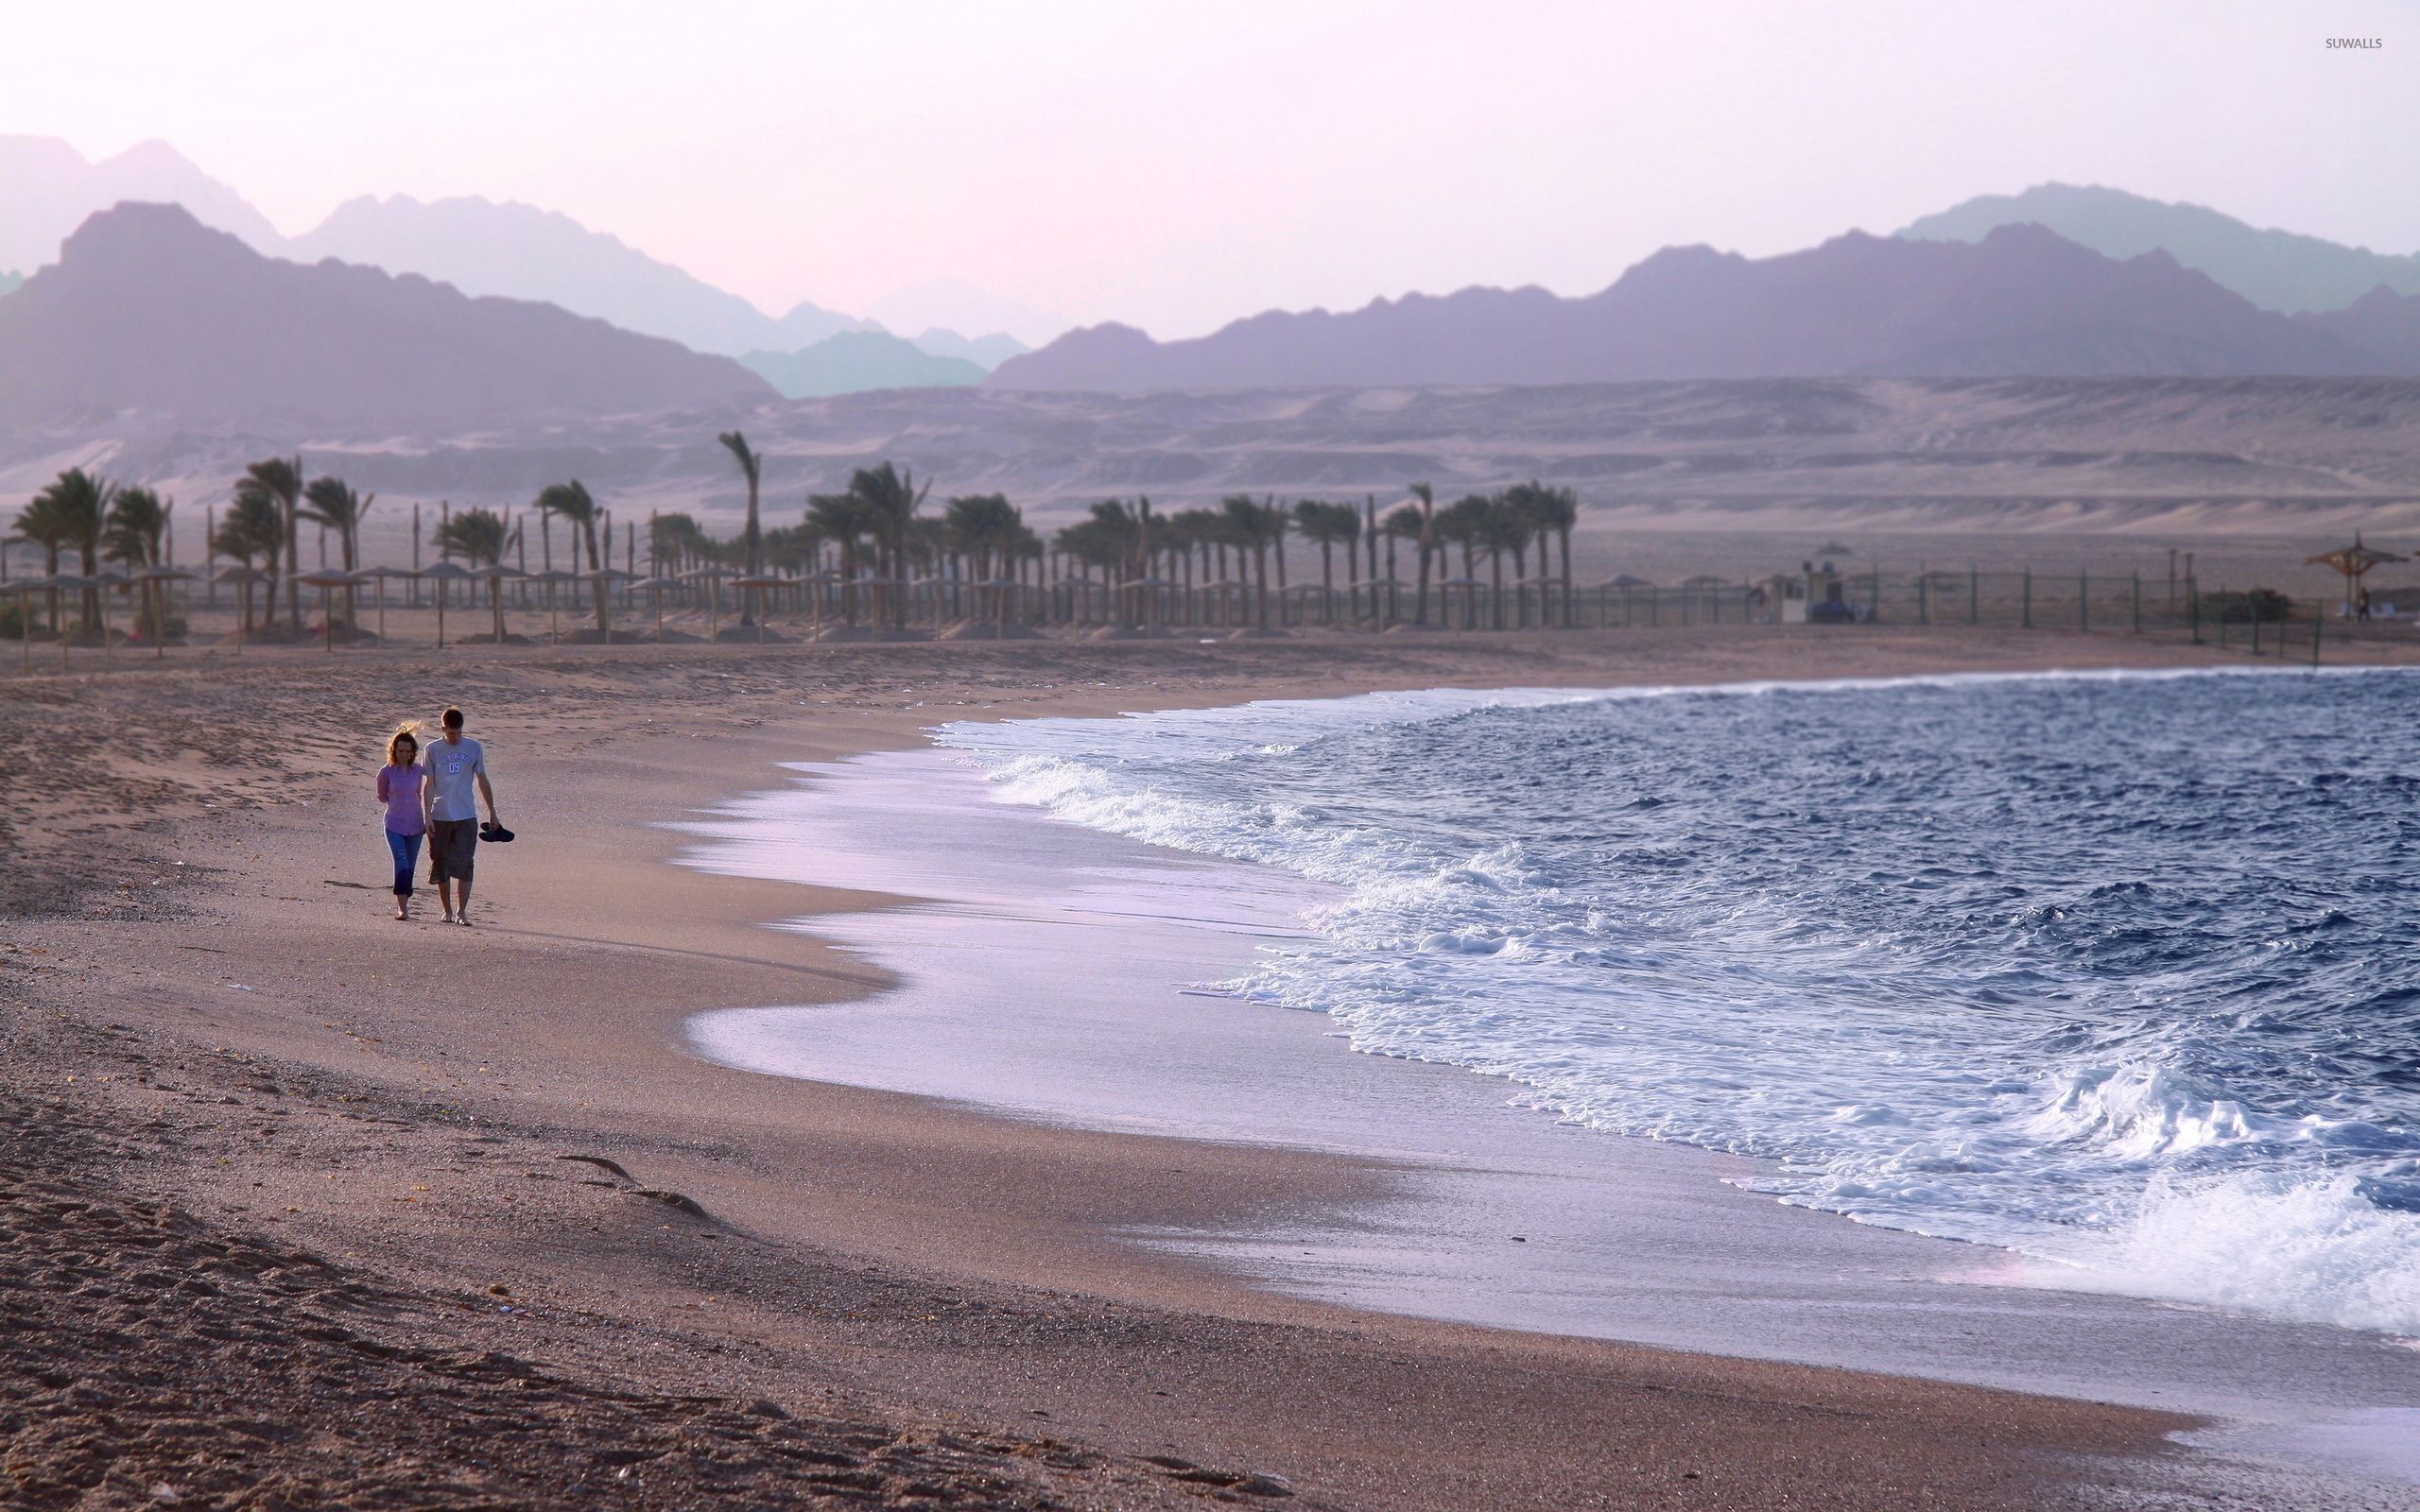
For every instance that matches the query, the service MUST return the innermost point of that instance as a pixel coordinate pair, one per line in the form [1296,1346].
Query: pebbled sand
[272,1154]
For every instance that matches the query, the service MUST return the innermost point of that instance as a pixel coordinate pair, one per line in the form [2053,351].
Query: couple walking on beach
[428,795]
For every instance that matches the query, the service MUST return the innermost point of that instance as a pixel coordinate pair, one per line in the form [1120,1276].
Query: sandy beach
[308,1206]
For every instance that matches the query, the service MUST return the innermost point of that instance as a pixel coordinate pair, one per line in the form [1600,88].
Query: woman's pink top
[398,789]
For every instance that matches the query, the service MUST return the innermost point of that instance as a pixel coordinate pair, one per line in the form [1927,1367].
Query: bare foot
[403,913]
[449,919]
[463,919]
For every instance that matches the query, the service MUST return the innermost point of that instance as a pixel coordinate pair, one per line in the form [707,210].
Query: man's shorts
[451,846]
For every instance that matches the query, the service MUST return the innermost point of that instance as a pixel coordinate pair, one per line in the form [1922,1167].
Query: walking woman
[399,790]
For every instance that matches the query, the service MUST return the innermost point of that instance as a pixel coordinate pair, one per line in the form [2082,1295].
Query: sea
[2121,972]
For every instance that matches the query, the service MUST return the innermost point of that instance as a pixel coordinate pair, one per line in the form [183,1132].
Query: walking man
[455,766]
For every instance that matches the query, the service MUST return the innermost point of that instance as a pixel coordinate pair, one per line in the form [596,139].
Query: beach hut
[443,574]
[2353,563]
[654,588]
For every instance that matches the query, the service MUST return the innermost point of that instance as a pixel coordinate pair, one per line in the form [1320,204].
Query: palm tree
[252,529]
[1327,524]
[1408,521]
[42,523]
[480,538]
[1252,527]
[1504,528]
[890,499]
[849,520]
[673,540]
[1543,511]
[1427,537]
[752,466]
[1464,523]
[280,481]
[135,534]
[332,503]
[984,527]
[80,502]
[572,502]
[1557,510]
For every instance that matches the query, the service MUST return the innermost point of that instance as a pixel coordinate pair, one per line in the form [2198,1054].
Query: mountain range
[851,362]
[482,247]
[2274,269]
[149,316]
[2022,301]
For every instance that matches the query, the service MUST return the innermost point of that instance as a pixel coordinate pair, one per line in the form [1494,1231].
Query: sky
[1175,165]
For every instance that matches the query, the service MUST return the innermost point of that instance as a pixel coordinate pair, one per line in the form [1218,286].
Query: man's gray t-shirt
[452,768]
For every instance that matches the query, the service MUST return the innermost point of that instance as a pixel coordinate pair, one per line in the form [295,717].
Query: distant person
[2361,605]
[399,785]
[455,767]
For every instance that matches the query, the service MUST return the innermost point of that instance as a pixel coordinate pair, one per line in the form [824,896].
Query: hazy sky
[1175,165]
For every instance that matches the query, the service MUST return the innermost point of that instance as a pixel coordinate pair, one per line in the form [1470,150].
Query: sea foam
[2103,969]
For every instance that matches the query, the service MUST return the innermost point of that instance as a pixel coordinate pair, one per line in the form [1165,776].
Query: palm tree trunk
[293,571]
[1564,534]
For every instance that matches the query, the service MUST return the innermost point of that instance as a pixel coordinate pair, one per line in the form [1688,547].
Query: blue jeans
[407,850]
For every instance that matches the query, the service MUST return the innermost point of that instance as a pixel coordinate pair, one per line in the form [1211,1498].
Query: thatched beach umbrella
[554,621]
[24,588]
[106,580]
[2354,562]
[600,581]
[495,576]
[758,584]
[713,577]
[443,574]
[327,583]
[243,578]
[379,575]
[156,581]
[66,583]
[654,588]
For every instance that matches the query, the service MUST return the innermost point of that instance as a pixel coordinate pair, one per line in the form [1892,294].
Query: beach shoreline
[829,1216]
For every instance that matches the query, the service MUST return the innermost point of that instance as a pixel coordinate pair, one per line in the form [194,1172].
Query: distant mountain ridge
[481,247]
[11,282]
[48,189]
[2021,302]
[852,362]
[521,253]
[2274,269]
[147,311]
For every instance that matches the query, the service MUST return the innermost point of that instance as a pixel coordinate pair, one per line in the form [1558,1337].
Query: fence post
[1974,596]
[2083,600]
[2223,616]
[2255,625]
[1924,602]
[2138,601]
[2029,599]
[1874,580]
[2193,598]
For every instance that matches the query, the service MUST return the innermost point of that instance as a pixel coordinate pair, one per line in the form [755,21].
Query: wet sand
[350,1133]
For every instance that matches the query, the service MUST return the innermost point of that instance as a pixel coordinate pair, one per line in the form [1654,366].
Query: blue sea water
[2118,971]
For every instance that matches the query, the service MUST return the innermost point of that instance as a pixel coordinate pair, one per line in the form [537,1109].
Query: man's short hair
[451,718]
